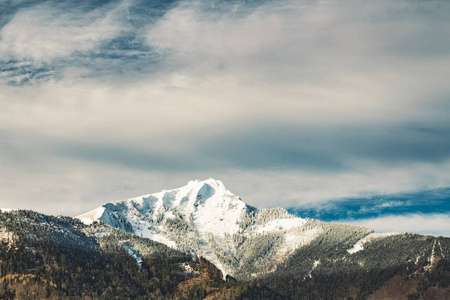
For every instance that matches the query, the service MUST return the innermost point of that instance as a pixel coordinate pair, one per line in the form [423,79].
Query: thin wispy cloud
[44,33]
[433,224]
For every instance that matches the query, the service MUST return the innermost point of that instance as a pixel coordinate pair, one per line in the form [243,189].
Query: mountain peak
[203,217]
[207,200]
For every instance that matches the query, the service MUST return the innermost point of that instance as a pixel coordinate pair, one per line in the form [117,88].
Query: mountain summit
[208,204]
[204,218]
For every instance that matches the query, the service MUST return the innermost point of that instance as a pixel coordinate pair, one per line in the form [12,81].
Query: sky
[322,107]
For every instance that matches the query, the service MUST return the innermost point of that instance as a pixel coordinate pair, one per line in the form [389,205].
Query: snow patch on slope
[92,216]
[143,231]
[132,252]
[316,263]
[4,234]
[360,244]
[7,237]
[282,224]
[295,240]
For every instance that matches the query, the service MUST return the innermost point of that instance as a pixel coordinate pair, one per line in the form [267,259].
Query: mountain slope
[333,264]
[272,253]
[45,257]
[206,219]
[299,258]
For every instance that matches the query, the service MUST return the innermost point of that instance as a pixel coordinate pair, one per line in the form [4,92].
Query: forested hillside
[61,258]
[46,257]
[330,268]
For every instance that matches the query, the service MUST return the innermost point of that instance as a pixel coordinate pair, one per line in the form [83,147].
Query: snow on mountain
[204,218]
[360,244]
[92,216]
[6,236]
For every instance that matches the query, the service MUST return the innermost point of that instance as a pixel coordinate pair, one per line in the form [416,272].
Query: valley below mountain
[201,241]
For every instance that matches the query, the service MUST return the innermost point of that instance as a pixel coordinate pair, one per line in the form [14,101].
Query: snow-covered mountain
[271,245]
[204,218]
[279,255]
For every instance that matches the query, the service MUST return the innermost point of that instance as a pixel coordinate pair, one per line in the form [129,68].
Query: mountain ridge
[208,216]
[48,257]
[205,219]
[256,253]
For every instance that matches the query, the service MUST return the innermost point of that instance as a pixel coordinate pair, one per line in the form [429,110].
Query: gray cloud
[330,148]
[130,158]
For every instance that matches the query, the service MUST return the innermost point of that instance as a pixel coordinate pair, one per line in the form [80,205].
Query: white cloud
[433,224]
[301,39]
[314,62]
[46,32]
[193,33]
